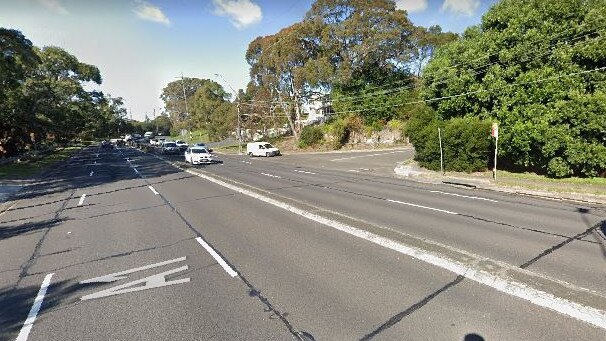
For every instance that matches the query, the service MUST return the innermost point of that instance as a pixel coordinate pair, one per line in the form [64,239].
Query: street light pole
[238,132]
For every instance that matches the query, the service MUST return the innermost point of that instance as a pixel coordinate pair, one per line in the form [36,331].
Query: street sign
[495,130]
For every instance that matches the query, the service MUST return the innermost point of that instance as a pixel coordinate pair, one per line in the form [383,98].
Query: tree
[174,100]
[533,66]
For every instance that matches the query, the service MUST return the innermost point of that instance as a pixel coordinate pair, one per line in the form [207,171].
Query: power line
[470,92]
[481,68]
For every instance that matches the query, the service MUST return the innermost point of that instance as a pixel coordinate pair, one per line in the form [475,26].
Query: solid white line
[367,155]
[153,190]
[272,176]
[509,286]
[218,258]
[463,196]
[304,172]
[31,317]
[421,206]
[81,200]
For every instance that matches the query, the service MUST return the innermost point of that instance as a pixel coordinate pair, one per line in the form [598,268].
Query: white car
[199,155]
[261,149]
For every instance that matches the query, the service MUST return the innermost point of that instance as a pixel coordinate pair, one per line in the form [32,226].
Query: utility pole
[186,114]
[238,132]
[155,121]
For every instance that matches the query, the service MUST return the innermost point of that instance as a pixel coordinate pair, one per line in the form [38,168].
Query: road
[123,245]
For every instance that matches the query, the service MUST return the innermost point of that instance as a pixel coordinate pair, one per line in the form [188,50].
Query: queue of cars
[196,154]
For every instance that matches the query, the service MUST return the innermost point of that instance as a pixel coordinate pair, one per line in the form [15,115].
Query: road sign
[495,130]
[150,282]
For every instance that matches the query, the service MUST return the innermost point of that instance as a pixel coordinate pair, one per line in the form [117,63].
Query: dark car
[170,148]
[106,144]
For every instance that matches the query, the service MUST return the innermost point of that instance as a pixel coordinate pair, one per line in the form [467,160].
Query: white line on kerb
[153,190]
[31,317]
[304,172]
[463,196]
[511,287]
[367,155]
[272,176]
[81,199]
[218,258]
[421,206]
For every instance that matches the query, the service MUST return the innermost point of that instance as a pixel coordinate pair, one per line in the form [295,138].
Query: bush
[311,136]
[466,142]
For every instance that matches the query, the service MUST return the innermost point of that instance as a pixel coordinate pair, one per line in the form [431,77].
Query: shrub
[466,142]
[311,136]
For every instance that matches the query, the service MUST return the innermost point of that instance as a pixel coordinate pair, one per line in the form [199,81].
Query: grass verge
[27,169]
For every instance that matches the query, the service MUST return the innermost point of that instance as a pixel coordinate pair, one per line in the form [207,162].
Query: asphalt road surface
[123,245]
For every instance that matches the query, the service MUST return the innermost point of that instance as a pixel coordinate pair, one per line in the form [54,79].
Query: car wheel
[250,154]
[267,154]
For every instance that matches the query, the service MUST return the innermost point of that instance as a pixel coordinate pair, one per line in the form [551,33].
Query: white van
[261,149]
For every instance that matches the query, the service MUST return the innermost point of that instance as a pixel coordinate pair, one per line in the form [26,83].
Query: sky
[142,45]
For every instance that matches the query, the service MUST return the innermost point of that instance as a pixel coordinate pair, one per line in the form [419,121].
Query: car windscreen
[267,146]
[199,151]
[170,145]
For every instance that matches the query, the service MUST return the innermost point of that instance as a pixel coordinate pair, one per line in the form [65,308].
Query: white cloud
[241,12]
[467,7]
[147,11]
[412,5]
[53,5]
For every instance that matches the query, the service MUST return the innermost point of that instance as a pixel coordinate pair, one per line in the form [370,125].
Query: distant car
[182,145]
[261,149]
[169,148]
[106,144]
[199,155]
[149,134]
[200,144]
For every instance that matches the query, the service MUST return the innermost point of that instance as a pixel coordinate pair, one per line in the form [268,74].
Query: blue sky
[140,46]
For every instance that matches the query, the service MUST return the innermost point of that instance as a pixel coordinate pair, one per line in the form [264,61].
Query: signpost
[495,133]
[441,155]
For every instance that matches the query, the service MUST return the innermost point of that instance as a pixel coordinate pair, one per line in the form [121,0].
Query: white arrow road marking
[121,275]
[154,281]
[218,258]
[463,196]
[91,173]
[136,171]
[31,317]
[153,189]
[81,200]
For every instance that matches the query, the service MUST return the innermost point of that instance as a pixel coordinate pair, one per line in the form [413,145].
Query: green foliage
[43,95]
[311,136]
[466,142]
[530,65]
[341,129]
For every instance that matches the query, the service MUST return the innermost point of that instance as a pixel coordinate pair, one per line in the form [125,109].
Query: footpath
[508,183]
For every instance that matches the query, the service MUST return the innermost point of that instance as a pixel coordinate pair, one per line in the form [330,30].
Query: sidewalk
[506,183]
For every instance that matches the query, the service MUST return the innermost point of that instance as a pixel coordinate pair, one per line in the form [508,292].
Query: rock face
[385,136]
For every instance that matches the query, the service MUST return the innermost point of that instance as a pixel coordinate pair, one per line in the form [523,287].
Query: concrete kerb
[421,176]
